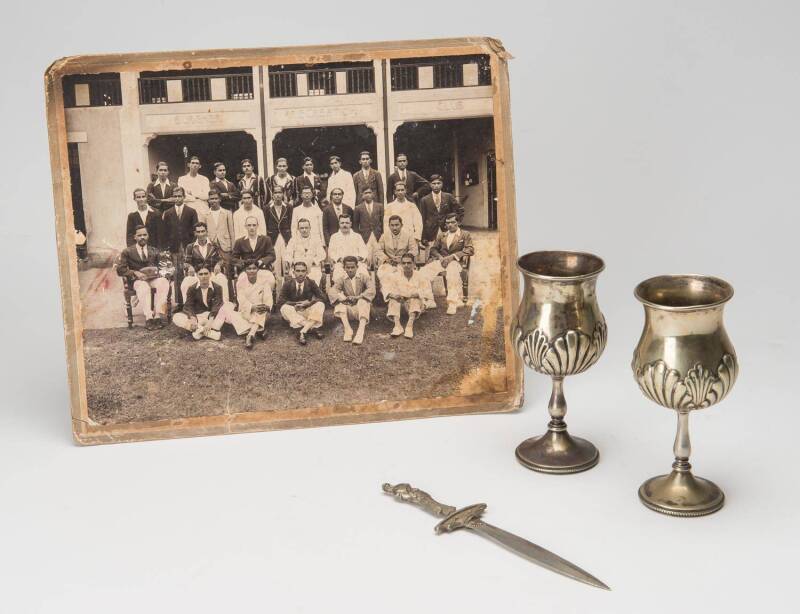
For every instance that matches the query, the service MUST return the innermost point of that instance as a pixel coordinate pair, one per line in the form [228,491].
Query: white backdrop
[664,138]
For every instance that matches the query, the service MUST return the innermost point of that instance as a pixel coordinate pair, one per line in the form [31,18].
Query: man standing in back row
[195,187]
[159,192]
[435,207]
[416,186]
[368,177]
[178,229]
[227,189]
[342,179]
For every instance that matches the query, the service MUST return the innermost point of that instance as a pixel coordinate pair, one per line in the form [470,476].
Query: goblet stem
[557,407]
[683,446]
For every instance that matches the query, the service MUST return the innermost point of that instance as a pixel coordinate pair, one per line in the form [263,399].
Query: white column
[378,127]
[456,165]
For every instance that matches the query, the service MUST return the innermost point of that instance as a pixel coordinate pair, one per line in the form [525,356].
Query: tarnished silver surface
[470,518]
[684,361]
[559,331]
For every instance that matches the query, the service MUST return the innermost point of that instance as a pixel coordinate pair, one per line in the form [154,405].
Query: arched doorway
[230,148]
[319,143]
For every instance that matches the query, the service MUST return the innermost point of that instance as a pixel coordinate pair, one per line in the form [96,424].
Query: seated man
[255,303]
[410,291]
[139,263]
[391,247]
[351,297]
[302,303]
[346,243]
[303,247]
[254,247]
[447,252]
[204,313]
[203,253]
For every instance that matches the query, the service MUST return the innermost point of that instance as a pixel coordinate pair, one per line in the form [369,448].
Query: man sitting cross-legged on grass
[255,302]
[410,291]
[203,253]
[302,303]
[351,296]
[139,263]
[447,252]
[391,247]
[204,312]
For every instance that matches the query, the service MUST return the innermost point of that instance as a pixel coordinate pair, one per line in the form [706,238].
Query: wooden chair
[465,262]
[129,293]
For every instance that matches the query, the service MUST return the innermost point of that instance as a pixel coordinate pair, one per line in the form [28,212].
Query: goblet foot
[557,452]
[680,493]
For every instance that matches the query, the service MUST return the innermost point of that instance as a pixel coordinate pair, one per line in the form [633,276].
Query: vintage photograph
[272,240]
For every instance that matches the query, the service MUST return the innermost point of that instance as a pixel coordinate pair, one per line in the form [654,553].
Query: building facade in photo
[436,110]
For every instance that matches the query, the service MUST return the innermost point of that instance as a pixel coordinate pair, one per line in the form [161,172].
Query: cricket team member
[195,187]
[139,263]
[410,291]
[346,243]
[301,303]
[447,255]
[391,248]
[351,296]
[307,249]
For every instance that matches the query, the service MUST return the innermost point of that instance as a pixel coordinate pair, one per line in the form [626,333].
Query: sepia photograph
[260,239]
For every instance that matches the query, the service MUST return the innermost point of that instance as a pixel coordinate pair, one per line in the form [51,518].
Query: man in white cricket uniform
[346,243]
[196,187]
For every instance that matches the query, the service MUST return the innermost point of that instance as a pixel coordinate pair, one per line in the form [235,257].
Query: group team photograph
[248,252]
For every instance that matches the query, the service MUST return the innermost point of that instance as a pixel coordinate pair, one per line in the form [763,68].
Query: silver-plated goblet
[684,361]
[559,331]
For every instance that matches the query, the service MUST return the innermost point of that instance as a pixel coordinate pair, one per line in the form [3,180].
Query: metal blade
[535,554]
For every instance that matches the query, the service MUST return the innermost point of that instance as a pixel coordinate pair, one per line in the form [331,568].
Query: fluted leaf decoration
[699,389]
[661,384]
[568,354]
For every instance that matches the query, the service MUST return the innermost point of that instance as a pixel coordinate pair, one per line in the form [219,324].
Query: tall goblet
[684,361]
[559,331]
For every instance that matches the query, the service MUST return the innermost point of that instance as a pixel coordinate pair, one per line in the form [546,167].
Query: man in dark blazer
[254,183]
[178,223]
[202,253]
[416,186]
[143,216]
[279,226]
[331,213]
[204,312]
[227,189]
[309,179]
[368,177]
[178,231]
[435,207]
[302,303]
[448,255]
[368,222]
[159,192]
[282,179]
[138,263]
[257,248]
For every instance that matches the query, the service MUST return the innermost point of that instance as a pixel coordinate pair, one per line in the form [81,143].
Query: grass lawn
[136,375]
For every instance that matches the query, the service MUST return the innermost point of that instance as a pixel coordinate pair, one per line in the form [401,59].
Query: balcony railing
[158,90]
[437,73]
[321,82]
[92,91]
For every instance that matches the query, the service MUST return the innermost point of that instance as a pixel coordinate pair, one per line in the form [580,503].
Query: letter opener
[470,518]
